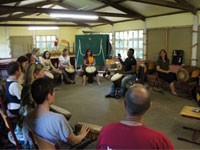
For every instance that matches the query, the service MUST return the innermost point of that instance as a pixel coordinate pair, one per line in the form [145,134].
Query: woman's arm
[52,66]
[69,63]
[85,63]
[161,70]
[94,63]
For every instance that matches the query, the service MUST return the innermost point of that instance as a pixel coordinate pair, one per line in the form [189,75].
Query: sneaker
[109,96]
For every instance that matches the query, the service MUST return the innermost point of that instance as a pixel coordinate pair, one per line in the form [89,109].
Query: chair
[43,143]
[11,130]
[158,82]
[193,113]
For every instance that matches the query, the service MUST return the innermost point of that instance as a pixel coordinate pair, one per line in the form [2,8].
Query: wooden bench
[193,113]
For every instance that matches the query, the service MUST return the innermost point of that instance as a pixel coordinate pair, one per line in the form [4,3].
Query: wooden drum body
[150,67]
[116,79]
[58,71]
[90,70]
[188,73]
[94,130]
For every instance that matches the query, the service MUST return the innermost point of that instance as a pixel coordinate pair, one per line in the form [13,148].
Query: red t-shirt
[121,136]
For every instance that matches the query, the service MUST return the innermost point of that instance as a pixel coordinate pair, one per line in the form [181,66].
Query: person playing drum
[164,72]
[64,62]
[46,61]
[33,72]
[129,70]
[89,60]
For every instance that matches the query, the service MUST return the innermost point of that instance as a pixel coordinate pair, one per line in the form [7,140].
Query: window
[129,39]
[45,43]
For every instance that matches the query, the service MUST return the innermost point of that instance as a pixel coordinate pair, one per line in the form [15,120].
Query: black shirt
[129,62]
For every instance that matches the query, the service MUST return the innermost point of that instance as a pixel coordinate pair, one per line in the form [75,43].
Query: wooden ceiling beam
[47,10]
[41,25]
[9,1]
[167,4]
[105,5]
[132,13]
[16,4]
[73,8]
[3,19]
[4,11]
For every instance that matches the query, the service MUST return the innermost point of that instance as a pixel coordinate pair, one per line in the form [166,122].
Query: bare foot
[174,93]
[99,83]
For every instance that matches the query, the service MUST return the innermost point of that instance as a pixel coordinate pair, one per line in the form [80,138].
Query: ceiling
[36,12]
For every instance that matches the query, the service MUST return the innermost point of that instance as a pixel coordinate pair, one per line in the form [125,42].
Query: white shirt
[15,89]
[64,60]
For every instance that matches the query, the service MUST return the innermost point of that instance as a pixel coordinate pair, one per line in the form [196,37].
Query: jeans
[124,81]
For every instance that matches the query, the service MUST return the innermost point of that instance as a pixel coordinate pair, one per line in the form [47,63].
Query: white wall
[4,44]
[67,33]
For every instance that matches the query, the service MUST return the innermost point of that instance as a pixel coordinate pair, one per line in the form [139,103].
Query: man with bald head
[130,133]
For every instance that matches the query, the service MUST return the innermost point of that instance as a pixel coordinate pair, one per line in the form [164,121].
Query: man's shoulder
[111,126]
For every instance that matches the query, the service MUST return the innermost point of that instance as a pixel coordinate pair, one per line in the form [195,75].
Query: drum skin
[70,70]
[49,74]
[90,69]
[187,73]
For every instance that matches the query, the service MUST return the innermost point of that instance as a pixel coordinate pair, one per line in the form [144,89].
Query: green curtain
[97,43]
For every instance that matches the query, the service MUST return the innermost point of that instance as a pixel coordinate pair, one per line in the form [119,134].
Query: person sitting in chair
[89,60]
[129,70]
[13,89]
[130,133]
[164,72]
[46,124]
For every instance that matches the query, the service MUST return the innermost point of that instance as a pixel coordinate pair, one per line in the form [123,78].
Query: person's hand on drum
[168,71]
[84,131]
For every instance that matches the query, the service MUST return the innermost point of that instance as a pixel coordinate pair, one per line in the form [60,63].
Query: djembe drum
[188,73]
[116,79]
[48,74]
[94,130]
[91,72]
[70,70]
[58,71]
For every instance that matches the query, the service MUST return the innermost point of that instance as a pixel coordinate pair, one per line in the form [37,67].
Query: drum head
[183,75]
[57,71]
[116,77]
[49,74]
[119,66]
[70,70]
[90,69]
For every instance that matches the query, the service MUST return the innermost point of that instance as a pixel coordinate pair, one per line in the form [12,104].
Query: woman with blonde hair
[34,71]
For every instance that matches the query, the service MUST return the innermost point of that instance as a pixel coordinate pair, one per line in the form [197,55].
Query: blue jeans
[124,81]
